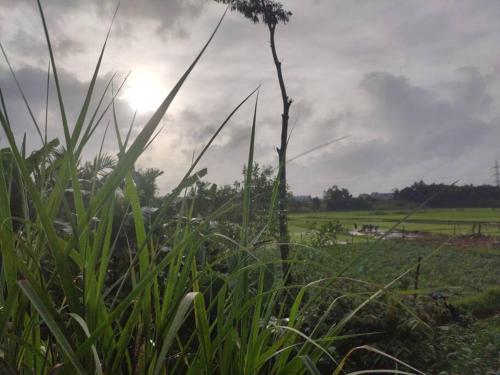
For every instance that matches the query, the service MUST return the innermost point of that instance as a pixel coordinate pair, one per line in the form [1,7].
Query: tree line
[437,196]
[448,196]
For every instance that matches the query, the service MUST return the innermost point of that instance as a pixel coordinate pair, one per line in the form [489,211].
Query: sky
[413,85]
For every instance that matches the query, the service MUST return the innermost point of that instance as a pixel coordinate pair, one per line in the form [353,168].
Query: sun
[143,91]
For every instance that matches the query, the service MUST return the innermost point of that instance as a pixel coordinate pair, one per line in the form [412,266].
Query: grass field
[438,221]
[459,271]
[468,275]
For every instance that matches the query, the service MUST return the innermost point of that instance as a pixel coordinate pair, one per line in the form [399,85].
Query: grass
[469,276]
[460,271]
[88,285]
[485,303]
[472,349]
[435,221]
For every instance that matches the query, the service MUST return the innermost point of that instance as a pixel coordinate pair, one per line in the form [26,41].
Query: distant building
[302,198]
[382,196]
[377,196]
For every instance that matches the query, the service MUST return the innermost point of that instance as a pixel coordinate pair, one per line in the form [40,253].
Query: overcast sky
[413,83]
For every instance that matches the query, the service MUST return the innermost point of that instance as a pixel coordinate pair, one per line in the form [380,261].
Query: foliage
[205,197]
[93,281]
[145,183]
[422,332]
[439,195]
[482,304]
[324,234]
[99,275]
[468,350]
[269,12]
[336,198]
[451,195]
[452,222]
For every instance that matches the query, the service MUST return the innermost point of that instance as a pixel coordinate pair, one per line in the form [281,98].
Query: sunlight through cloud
[143,91]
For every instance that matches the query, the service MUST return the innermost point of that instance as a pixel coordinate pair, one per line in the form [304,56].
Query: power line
[317,148]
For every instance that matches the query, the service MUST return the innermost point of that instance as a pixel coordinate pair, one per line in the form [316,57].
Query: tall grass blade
[180,315]
[44,311]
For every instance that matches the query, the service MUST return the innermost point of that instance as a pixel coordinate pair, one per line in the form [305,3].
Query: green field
[468,275]
[460,271]
[437,221]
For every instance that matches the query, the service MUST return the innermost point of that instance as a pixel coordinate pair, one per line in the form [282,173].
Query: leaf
[311,367]
[44,311]
[168,338]
[85,328]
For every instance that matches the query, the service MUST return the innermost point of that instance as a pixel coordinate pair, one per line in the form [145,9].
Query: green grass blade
[85,106]
[167,340]
[248,179]
[142,139]
[44,311]
[25,100]
[85,328]
[311,367]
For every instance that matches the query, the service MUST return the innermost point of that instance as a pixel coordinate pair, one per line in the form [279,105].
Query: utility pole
[496,173]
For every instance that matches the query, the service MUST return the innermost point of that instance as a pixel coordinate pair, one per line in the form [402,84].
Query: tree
[316,204]
[271,13]
[261,191]
[145,182]
[208,196]
[336,198]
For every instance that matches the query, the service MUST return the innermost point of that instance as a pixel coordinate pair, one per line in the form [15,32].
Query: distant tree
[450,195]
[316,204]
[336,198]
[203,196]
[271,13]
[145,182]
[261,190]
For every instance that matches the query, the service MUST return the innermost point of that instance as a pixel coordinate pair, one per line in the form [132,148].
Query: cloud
[415,131]
[33,84]
[414,85]
[170,15]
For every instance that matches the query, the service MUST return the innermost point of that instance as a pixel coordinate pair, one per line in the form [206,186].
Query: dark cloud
[33,84]
[413,84]
[170,15]
[416,131]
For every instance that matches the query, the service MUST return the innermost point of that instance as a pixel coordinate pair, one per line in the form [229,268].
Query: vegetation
[100,275]
[271,13]
[451,195]
[411,324]
[337,199]
[434,195]
[94,280]
[457,221]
